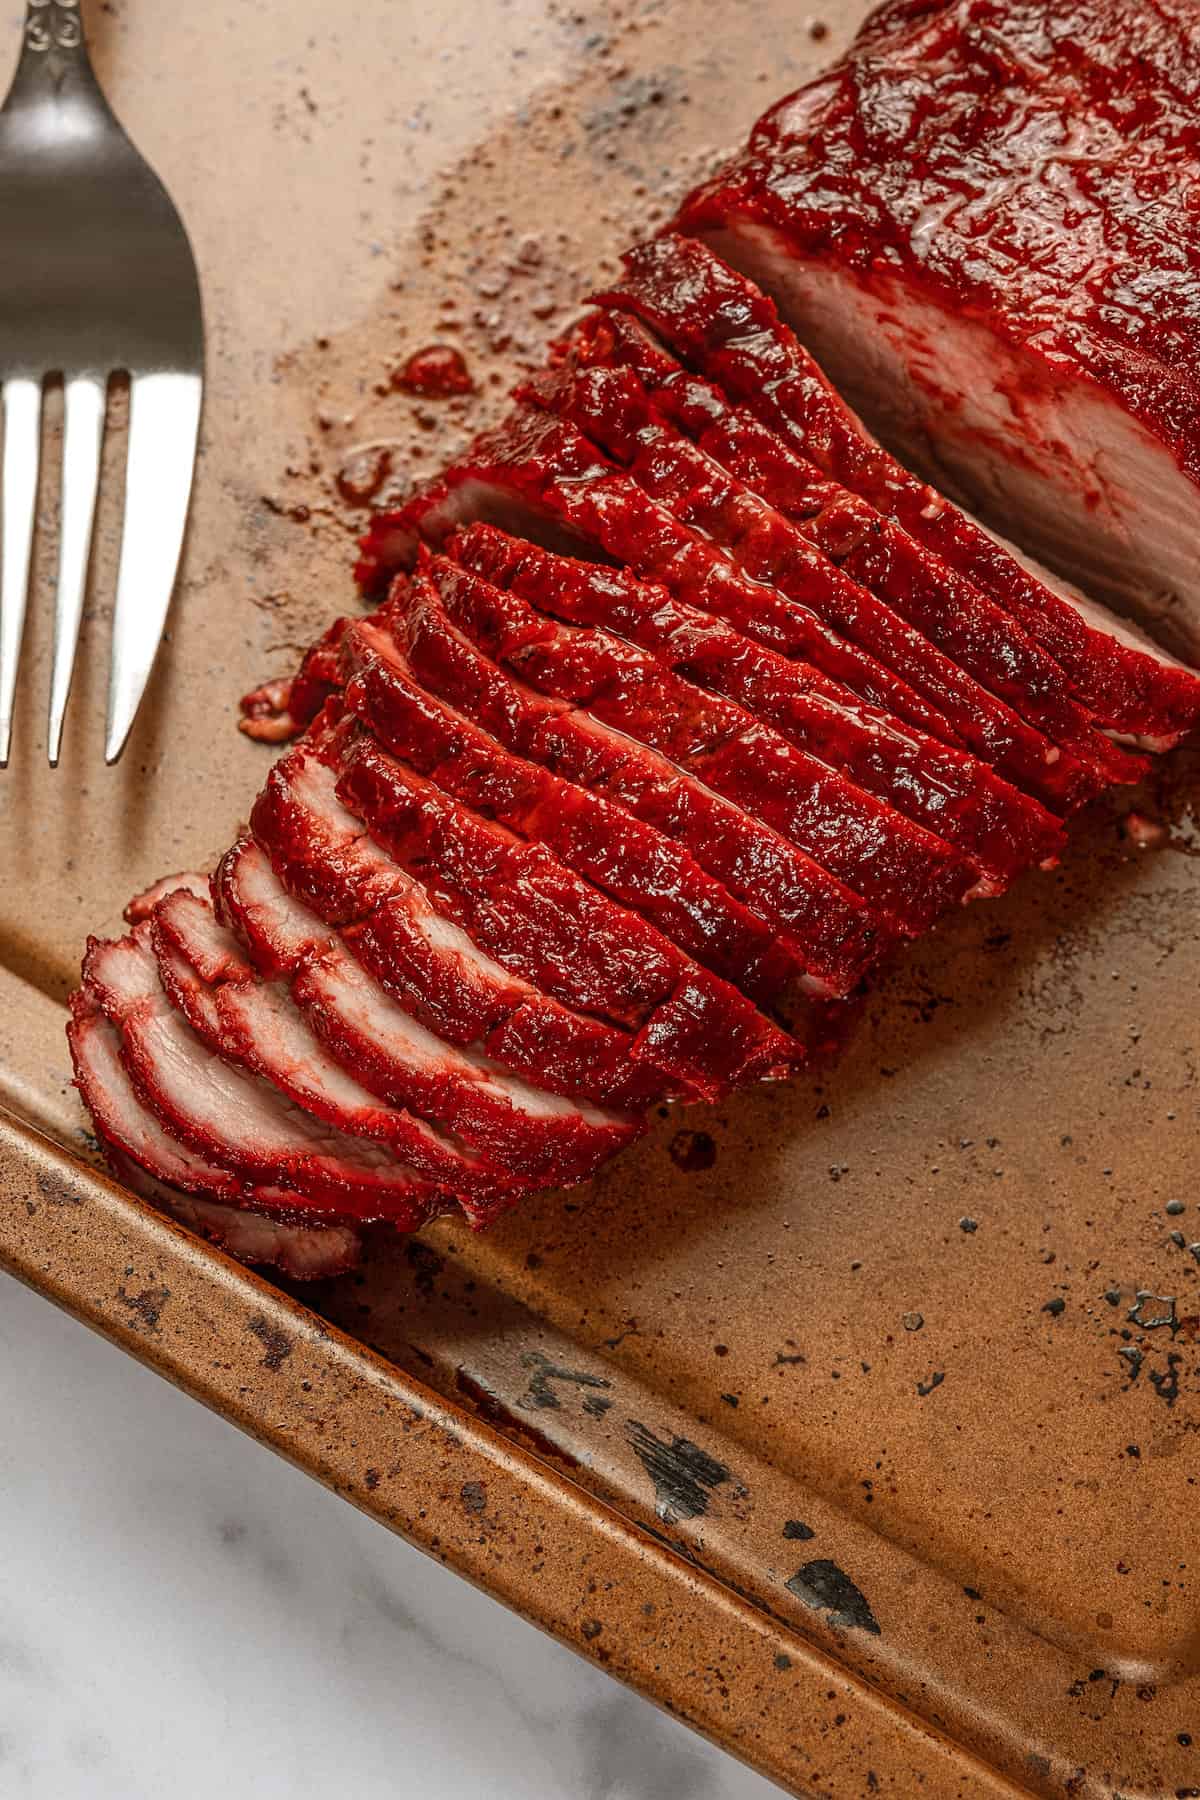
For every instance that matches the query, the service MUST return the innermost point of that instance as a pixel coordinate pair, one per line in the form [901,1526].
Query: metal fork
[96,277]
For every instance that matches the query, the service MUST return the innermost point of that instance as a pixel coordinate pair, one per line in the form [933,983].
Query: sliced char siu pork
[538,463]
[974,222]
[304,1252]
[564,936]
[958,799]
[688,702]
[612,406]
[236,1119]
[872,849]
[258,1026]
[787,524]
[541,478]
[815,920]
[427,962]
[725,328]
[148,1160]
[629,860]
[524,1129]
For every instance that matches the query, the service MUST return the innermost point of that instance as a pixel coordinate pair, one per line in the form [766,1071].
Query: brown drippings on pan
[475,292]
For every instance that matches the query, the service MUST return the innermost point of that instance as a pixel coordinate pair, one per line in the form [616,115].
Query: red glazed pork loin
[982,222]
[687,703]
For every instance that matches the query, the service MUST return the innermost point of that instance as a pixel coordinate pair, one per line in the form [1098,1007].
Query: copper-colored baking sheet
[858,1427]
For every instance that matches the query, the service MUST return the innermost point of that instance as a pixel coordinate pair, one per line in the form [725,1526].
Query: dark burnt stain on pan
[823,1587]
[474,1496]
[541,1393]
[683,1474]
[489,1406]
[277,1345]
[145,1307]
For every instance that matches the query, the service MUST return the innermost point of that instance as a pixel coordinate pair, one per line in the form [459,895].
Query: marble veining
[183,1613]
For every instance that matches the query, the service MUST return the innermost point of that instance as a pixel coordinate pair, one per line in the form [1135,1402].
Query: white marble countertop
[183,1613]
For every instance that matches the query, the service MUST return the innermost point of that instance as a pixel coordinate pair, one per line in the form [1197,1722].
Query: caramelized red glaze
[1029,161]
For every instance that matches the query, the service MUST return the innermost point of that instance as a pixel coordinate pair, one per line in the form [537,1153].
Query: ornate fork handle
[54,65]
[53,25]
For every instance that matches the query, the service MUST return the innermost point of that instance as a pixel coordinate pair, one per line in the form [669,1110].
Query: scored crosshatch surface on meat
[687,702]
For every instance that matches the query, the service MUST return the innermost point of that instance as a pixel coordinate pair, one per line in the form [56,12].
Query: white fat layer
[367,1009]
[1083,485]
[288,923]
[212,950]
[1100,618]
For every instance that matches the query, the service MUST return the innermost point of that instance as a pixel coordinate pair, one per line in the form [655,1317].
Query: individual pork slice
[632,862]
[537,1135]
[280,709]
[258,1025]
[723,326]
[237,1120]
[124,1122]
[946,638]
[908,876]
[524,906]
[824,928]
[303,1252]
[429,964]
[143,904]
[988,252]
